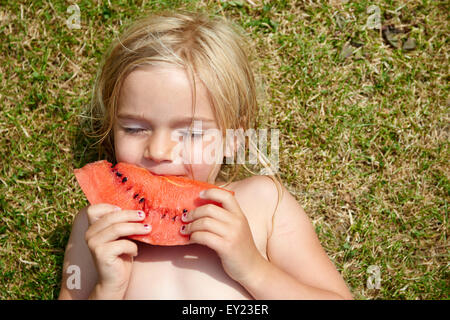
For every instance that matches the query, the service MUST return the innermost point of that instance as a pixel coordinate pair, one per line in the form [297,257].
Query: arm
[103,258]
[302,273]
[298,267]
[78,254]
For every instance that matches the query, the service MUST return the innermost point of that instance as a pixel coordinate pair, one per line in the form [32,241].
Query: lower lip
[173,175]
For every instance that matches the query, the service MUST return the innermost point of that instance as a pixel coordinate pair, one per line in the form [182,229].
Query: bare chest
[191,271]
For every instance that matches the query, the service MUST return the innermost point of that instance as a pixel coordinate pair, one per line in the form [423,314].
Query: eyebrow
[186,120]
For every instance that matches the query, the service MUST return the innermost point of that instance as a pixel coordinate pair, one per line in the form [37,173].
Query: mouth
[165,174]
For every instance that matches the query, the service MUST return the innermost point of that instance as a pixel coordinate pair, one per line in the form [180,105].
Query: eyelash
[195,135]
[133,130]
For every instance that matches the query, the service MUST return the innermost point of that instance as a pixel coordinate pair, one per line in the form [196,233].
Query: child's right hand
[113,257]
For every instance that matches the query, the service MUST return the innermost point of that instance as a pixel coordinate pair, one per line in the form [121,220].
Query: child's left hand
[226,231]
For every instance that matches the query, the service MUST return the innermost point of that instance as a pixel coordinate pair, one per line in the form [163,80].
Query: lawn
[358,90]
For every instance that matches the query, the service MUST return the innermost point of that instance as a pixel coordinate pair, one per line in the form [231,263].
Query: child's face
[154,115]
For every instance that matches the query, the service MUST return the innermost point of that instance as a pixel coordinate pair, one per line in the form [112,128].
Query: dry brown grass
[364,140]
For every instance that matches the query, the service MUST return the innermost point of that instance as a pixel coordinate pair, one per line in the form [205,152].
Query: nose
[159,147]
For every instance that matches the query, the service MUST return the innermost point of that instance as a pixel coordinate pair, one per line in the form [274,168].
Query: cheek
[206,151]
[202,172]
[126,149]
[213,149]
[202,157]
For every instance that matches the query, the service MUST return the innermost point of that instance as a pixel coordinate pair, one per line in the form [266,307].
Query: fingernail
[183,229]
[147,227]
[202,194]
[184,216]
[117,208]
[141,214]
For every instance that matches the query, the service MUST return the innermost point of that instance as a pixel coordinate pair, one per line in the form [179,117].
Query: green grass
[364,139]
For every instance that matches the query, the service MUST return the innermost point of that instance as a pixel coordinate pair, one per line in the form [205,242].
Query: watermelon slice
[163,198]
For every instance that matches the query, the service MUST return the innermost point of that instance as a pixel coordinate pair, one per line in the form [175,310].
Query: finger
[114,249]
[224,197]
[113,218]
[207,210]
[115,231]
[96,211]
[208,239]
[205,224]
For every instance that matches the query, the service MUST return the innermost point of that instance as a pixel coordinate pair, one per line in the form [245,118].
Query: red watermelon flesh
[162,198]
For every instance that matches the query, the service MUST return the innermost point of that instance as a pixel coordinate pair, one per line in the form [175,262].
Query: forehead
[163,91]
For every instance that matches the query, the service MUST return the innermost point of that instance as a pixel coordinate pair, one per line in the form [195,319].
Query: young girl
[166,72]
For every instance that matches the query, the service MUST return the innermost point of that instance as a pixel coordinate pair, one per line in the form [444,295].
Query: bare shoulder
[260,186]
[260,194]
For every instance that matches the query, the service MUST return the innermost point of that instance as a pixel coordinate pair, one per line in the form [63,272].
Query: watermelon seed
[118,174]
[136,195]
[142,200]
[162,217]
[124,180]
[174,217]
[184,210]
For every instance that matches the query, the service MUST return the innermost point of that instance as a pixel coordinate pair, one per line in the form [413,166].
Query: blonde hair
[209,48]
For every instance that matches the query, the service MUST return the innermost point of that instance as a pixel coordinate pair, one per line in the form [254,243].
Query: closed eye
[193,134]
[133,130]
